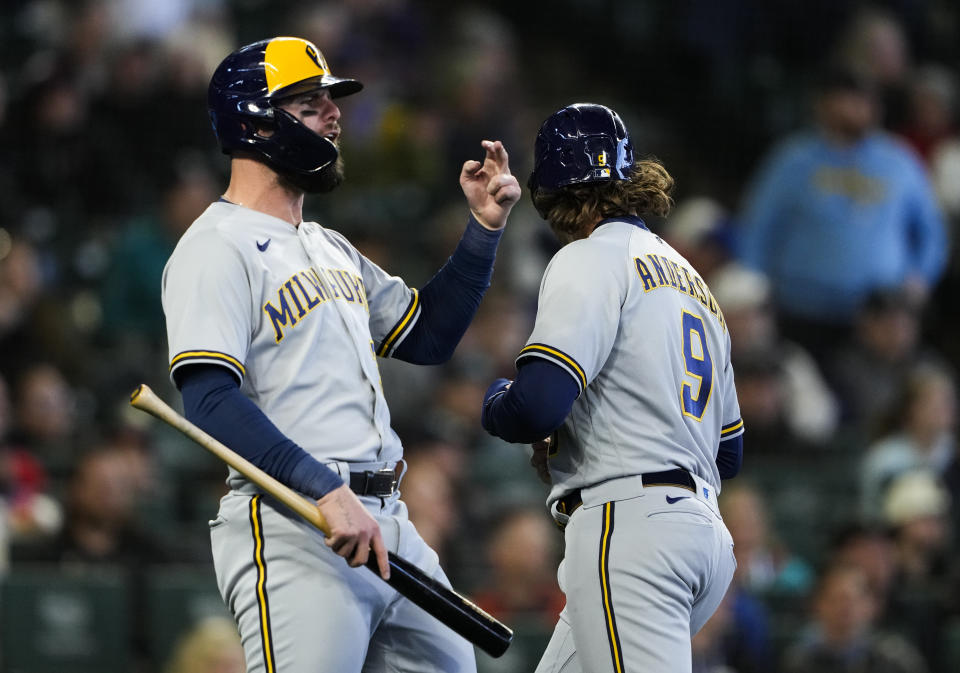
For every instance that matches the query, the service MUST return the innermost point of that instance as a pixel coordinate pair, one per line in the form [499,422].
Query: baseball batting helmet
[242,100]
[580,143]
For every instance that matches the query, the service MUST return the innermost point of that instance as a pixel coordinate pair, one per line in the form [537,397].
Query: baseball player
[274,326]
[628,373]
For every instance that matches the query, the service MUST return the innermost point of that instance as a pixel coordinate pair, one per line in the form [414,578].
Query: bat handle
[145,399]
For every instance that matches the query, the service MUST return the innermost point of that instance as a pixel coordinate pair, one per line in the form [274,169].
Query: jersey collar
[629,219]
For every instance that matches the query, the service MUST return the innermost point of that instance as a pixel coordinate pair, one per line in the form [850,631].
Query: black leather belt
[382,483]
[678,477]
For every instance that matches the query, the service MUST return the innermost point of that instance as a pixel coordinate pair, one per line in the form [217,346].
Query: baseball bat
[452,609]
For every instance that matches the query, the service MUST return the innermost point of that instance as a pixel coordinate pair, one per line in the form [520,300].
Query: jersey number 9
[699,365]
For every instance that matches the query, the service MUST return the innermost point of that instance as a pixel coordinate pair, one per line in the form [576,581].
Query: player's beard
[321,182]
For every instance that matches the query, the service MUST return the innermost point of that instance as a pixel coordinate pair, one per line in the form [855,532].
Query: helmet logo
[312,53]
[581,143]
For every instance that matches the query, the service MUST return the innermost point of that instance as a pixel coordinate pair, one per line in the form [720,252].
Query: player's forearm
[451,298]
[535,405]
[213,402]
[730,457]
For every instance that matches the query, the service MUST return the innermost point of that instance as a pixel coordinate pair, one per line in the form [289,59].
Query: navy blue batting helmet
[245,88]
[581,143]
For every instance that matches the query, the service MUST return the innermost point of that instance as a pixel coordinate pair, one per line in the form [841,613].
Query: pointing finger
[497,153]
[503,159]
[380,550]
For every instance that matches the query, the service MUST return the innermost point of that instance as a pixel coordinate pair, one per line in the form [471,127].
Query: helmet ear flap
[296,148]
[242,95]
[230,131]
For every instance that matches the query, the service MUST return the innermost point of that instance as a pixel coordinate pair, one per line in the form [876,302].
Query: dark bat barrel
[452,609]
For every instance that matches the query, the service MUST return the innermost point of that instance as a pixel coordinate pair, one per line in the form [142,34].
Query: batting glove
[496,389]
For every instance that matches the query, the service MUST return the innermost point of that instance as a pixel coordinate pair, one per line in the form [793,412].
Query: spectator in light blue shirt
[839,211]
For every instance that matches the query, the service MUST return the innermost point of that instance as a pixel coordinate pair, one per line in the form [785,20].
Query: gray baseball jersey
[241,290]
[299,316]
[639,331]
[645,564]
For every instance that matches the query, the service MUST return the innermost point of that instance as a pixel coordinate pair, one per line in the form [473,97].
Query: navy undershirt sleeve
[213,402]
[535,405]
[730,457]
[450,300]
[539,400]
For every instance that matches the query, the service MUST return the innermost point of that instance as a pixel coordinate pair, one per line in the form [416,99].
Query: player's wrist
[479,239]
[319,480]
[493,226]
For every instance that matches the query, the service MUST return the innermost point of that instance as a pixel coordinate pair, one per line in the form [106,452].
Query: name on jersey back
[658,271]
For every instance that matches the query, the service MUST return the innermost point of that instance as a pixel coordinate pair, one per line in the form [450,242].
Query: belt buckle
[381,483]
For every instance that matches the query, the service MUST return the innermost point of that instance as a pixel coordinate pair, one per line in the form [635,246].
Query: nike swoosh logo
[262,247]
[670,500]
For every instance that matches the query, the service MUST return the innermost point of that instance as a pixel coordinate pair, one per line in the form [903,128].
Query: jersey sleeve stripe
[732,429]
[405,332]
[402,327]
[208,356]
[558,357]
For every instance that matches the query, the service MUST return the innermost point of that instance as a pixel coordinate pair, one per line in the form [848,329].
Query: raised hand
[490,189]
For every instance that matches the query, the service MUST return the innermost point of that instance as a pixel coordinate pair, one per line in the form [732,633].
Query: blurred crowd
[817,157]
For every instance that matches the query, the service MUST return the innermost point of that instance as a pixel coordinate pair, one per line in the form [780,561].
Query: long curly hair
[574,210]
